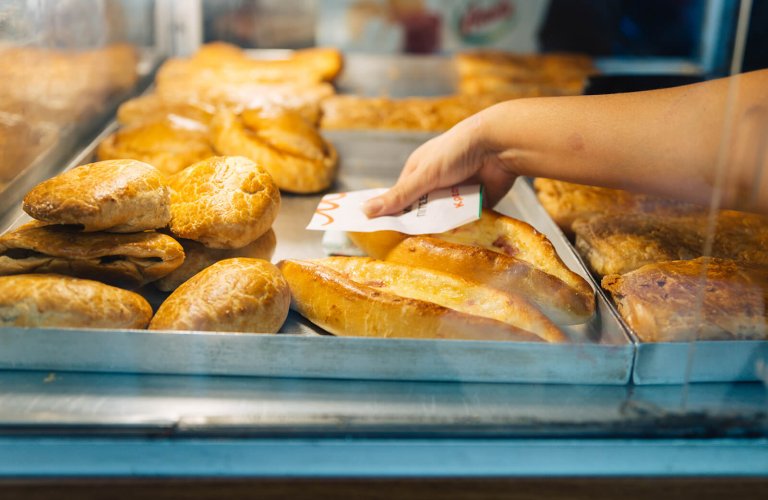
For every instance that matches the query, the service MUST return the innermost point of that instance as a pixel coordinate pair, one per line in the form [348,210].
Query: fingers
[407,190]
[496,183]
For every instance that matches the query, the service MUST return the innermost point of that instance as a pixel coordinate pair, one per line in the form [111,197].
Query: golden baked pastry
[54,301]
[565,202]
[429,114]
[343,306]
[154,108]
[448,291]
[699,299]
[619,243]
[119,196]
[223,202]
[283,142]
[498,251]
[553,67]
[170,144]
[233,295]
[536,87]
[128,260]
[197,257]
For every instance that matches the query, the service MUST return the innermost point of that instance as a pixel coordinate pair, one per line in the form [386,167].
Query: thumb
[403,194]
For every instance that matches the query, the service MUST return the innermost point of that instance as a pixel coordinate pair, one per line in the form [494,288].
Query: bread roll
[233,295]
[699,299]
[197,257]
[128,260]
[340,304]
[53,301]
[154,108]
[499,251]
[223,202]
[288,146]
[120,196]
[170,144]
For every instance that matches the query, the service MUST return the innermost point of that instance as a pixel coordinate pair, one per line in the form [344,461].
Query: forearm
[667,142]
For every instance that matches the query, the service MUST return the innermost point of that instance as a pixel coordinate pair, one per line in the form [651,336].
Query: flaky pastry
[233,295]
[223,202]
[54,301]
[119,196]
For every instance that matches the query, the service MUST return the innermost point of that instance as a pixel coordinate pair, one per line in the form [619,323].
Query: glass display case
[101,80]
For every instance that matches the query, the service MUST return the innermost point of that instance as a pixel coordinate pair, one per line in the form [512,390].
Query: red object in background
[422,32]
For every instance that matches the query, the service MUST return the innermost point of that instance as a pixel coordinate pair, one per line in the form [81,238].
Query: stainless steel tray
[302,350]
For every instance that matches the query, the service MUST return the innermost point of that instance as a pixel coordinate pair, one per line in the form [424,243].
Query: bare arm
[670,142]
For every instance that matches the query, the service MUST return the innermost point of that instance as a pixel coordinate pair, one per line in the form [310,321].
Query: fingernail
[372,207]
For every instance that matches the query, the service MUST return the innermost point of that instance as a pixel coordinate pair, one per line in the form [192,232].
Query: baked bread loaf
[498,251]
[699,299]
[289,147]
[340,304]
[128,260]
[53,301]
[233,295]
[223,202]
[197,257]
[154,108]
[620,243]
[565,202]
[169,144]
[120,196]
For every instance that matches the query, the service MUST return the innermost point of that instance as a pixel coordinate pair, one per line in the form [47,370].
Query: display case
[117,401]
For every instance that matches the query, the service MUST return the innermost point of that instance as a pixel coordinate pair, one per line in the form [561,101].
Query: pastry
[338,303]
[622,242]
[699,299]
[501,252]
[284,143]
[223,202]
[552,67]
[565,202]
[233,295]
[54,301]
[119,196]
[448,291]
[197,257]
[153,108]
[128,260]
[169,144]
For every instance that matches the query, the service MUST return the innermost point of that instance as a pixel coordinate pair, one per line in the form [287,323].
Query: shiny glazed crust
[447,290]
[120,196]
[54,301]
[671,301]
[128,260]
[342,306]
[152,107]
[169,144]
[223,202]
[197,257]
[289,147]
[233,295]
[498,251]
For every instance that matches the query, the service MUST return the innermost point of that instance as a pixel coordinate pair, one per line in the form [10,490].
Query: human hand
[460,154]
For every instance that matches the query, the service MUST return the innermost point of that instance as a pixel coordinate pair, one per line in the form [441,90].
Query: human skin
[704,143]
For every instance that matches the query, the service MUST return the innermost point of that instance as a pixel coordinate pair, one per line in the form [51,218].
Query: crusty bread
[50,300]
[699,299]
[197,257]
[120,196]
[566,202]
[620,243]
[232,295]
[154,108]
[338,303]
[499,251]
[447,290]
[128,260]
[288,146]
[223,202]
[169,143]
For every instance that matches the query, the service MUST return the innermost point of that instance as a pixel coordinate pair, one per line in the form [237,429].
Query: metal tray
[302,350]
